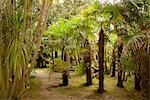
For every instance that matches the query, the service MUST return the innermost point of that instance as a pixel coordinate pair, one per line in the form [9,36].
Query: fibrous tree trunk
[62,53]
[88,74]
[56,54]
[137,75]
[120,48]
[101,61]
[137,82]
[65,73]
[145,74]
[71,60]
[52,53]
[65,78]
[87,63]
[113,64]
[106,71]
[65,56]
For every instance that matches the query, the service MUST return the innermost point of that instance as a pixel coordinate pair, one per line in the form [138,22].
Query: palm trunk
[137,75]
[88,75]
[65,56]
[65,78]
[145,74]
[137,82]
[65,73]
[101,61]
[113,64]
[56,54]
[71,61]
[87,63]
[52,58]
[120,80]
[62,53]
[106,72]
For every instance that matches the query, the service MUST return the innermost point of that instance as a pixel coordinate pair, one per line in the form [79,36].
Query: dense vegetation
[88,37]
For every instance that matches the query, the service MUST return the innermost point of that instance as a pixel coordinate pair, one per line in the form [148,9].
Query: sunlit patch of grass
[70,91]
[112,92]
[33,91]
[130,84]
[76,88]
[34,84]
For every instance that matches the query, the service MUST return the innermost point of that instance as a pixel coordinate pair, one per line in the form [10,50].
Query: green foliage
[112,11]
[113,39]
[128,64]
[61,65]
[70,23]
[80,70]
[50,68]
[136,11]
[17,45]
[93,10]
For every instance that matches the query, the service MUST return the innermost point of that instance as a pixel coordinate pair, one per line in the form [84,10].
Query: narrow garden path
[43,88]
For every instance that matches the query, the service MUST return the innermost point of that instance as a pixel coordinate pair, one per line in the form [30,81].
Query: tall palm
[101,61]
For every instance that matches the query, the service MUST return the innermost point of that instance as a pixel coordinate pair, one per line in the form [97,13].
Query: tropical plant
[136,15]
[16,35]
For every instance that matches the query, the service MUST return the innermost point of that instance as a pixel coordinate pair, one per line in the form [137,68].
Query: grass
[76,90]
[34,89]
[34,86]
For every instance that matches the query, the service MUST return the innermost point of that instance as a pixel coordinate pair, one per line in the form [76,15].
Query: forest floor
[43,88]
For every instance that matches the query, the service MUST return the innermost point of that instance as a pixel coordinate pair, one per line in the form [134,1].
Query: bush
[61,65]
[80,70]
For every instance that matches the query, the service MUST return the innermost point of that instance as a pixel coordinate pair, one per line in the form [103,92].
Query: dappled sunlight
[77,90]
[74,49]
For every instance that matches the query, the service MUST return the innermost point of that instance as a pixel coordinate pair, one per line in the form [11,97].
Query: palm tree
[136,14]
[120,69]
[87,63]
[101,61]
[64,31]
[113,64]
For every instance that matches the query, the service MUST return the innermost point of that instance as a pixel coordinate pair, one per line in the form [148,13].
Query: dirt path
[48,87]
[44,89]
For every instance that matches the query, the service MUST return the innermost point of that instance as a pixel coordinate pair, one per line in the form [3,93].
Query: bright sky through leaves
[102,1]
[109,1]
